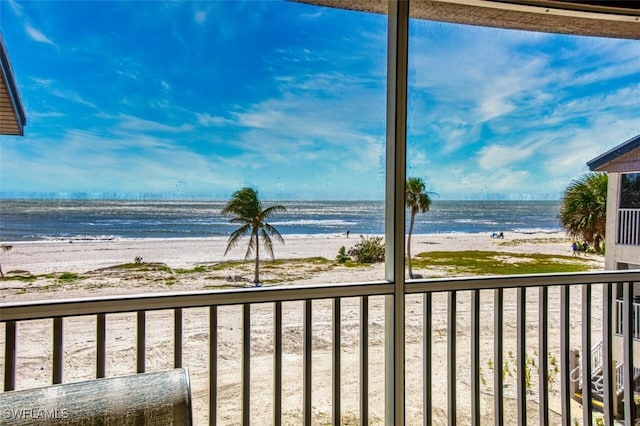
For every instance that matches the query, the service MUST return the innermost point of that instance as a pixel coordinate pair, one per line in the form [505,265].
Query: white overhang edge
[531,15]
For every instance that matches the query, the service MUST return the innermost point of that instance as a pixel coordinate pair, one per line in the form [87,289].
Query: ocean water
[32,220]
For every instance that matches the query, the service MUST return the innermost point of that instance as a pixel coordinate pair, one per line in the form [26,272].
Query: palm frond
[247,210]
[266,213]
[243,203]
[273,232]
[268,244]
[583,210]
[235,237]
[416,198]
[246,220]
[253,240]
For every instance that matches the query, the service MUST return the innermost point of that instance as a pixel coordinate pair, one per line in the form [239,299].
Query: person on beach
[574,248]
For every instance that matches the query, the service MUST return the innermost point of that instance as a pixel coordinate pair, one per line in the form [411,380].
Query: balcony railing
[628,227]
[476,349]
[635,330]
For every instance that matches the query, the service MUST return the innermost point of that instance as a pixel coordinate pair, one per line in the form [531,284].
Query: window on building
[630,191]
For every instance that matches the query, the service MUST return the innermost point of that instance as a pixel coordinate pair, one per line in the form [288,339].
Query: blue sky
[197,99]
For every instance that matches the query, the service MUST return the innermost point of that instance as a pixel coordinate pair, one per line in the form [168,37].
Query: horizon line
[115,196]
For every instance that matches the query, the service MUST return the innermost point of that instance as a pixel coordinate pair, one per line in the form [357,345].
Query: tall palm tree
[416,200]
[247,210]
[583,213]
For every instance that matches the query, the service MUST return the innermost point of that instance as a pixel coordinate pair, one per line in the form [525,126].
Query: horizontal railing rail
[518,281]
[27,310]
[450,311]
[21,311]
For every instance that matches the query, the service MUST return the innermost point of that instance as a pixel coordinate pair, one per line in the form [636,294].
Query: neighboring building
[12,116]
[622,251]
[622,163]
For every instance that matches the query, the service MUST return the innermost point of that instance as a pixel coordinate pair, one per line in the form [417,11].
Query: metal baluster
[177,338]
[101,347]
[587,392]
[141,341]
[427,360]
[451,359]
[543,348]
[564,355]
[307,410]
[475,357]
[364,361]
[10,356]
[246,363]
[607,362]
[213,365]
[58,349]
[498,385]
[627,371]
[335,363]
[277,364]
[521,354]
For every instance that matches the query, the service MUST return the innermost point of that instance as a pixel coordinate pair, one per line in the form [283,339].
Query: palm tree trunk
[256,278]
[413,217]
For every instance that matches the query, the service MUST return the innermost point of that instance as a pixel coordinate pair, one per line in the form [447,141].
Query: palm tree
[583,213]
[247,210]
[416,199]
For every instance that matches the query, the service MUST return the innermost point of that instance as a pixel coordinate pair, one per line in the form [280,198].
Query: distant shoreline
[352,235]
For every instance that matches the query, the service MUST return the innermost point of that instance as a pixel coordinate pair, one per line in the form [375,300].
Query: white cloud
[85,161]
[313,16]
[72,97]
[477,183]
[47,114]
[207,120]
[38,35]
[15,6]
[200,17]
[498,156]
[137,124]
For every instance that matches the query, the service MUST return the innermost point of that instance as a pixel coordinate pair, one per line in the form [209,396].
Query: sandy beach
[92,257]
[94,261]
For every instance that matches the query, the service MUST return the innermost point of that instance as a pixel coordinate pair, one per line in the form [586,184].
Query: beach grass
[140,267]
[237,273]
[521,241]
[198,269]
[68,277]
[479,262]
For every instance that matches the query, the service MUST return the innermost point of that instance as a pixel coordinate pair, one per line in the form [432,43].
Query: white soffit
[617,19]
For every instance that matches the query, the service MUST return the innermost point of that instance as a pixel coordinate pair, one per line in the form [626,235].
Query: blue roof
[614,153]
